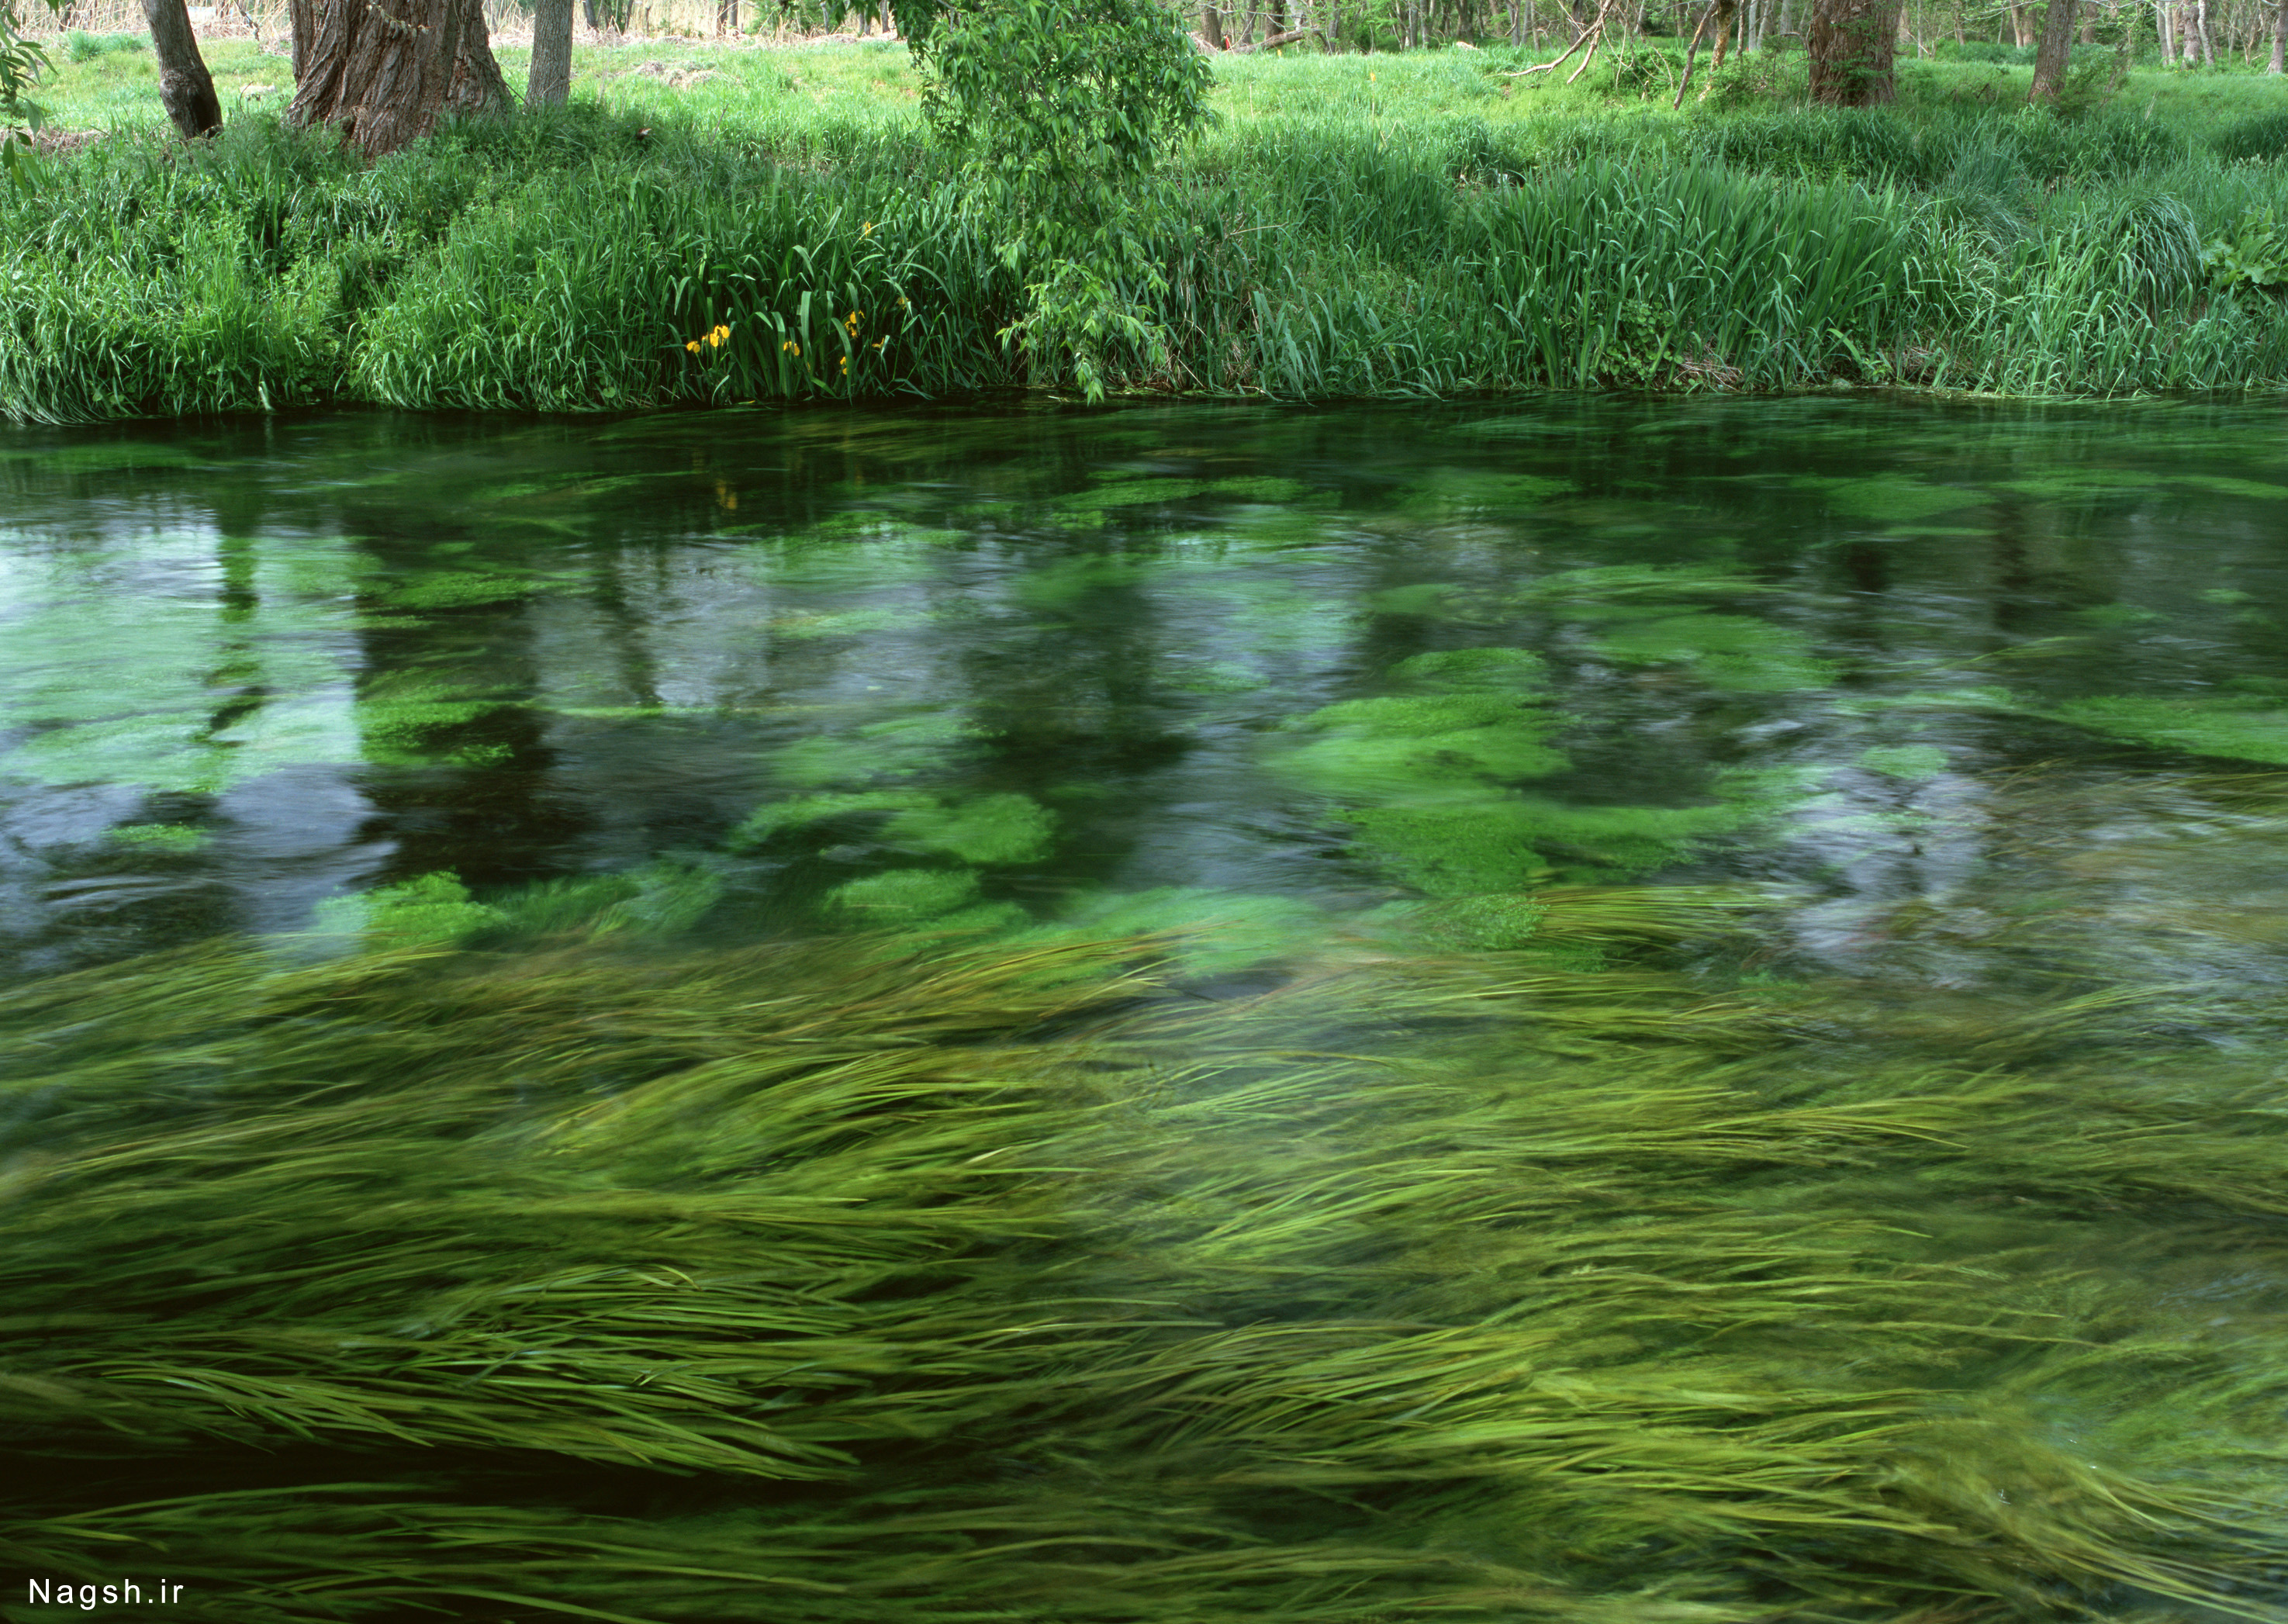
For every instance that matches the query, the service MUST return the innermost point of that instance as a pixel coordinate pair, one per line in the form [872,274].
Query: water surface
[1308,670]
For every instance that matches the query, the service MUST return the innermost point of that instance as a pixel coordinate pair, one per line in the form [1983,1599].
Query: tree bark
[1852,44]
[185,89]
[2279,38]
[549,84]
[2056,49]
[383,72]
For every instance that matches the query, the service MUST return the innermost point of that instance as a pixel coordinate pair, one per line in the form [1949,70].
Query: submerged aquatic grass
[862,1281]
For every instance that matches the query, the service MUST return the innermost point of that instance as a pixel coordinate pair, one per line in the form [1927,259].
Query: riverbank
[710,227]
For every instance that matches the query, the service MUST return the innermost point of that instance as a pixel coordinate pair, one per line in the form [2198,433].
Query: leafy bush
[2252,255]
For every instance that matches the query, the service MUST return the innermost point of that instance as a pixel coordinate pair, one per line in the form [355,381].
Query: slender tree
[21,64]
[550,82]
[2279,38]
[2056,47]
[383,71]
[185,89]
[1851,44]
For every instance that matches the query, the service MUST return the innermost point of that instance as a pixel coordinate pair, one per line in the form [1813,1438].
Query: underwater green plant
[827,1281]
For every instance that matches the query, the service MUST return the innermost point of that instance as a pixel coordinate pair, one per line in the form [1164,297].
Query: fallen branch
[1690,52]
[1595,37]
[1288,38]
[1588,35]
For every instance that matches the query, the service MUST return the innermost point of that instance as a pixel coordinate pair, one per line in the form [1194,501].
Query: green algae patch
[2252,727]
[399,713]
[1471,493]
[1629,588]
[802,811]
[1196,931]
[1491,669]
[846,622]
[1218,676]
[183,750]
[1393,745]
[1465,718]
[1269,489]
[455,589]
[1141,492]
[1736,652]
[990,830]
[1148,490]
[902,896]
[1912,762]
[1891,497]
[431,908]
[1489,843]
[901,747]
[160,836]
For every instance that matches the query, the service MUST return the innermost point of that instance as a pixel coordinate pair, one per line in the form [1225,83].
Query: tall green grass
[571,260]
[842,1283]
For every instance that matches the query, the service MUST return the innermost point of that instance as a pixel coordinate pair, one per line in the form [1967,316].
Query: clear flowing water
[1894,1231]
[1925,670]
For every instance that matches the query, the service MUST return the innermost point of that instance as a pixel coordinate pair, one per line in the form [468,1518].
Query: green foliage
[2252,255]
[712,249]
[21,64]
[1061,109]
[1063,100]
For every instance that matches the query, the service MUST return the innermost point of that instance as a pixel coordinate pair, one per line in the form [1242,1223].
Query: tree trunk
[2200,32]
[185,89]
[2057,46]
[383,71]
[550,82]
[1852,43]
[2279,38]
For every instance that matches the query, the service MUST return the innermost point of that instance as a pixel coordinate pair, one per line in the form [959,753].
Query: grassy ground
[1356,225]
[111,82]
